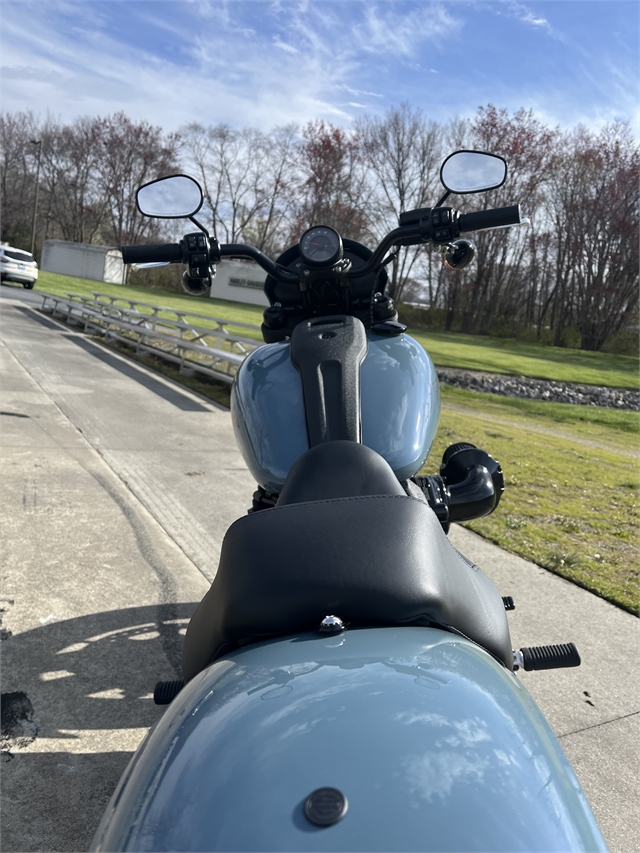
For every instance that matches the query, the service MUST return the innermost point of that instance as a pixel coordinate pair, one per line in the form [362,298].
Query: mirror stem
[201,227]
[443,199]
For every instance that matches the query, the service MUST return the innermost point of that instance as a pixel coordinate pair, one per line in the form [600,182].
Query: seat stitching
[340,500]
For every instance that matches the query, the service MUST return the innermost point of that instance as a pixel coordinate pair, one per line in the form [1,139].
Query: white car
[18,265]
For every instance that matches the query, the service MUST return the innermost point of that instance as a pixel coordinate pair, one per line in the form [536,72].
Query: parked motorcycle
[349,679]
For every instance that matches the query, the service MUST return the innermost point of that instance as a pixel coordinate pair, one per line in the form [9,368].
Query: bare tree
[246,177]
[17,175]
[331,188]
[595,199]
[403,153]
[526,145]
[133,153]
[575,270]
[269,227]
[70,158]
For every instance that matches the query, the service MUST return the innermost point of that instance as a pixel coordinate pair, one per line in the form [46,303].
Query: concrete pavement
[119,486]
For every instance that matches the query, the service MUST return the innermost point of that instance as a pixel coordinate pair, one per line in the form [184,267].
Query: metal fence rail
[174,335]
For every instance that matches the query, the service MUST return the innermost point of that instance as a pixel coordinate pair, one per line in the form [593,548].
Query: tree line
[571,277]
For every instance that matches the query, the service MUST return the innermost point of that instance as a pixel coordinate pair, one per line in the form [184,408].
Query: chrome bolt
[331,625]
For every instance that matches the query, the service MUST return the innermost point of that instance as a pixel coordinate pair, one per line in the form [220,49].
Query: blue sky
[262,63]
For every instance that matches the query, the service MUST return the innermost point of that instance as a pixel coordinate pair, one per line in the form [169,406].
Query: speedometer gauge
[321,246]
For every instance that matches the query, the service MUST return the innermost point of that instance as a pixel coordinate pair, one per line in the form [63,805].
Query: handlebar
[499,217]
[244,250]
[152,253]
[149,253]
[410,233]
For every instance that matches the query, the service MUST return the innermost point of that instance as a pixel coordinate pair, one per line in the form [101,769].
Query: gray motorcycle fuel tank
[433,745]
[397,377]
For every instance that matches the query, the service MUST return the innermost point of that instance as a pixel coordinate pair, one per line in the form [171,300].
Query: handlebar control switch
[440,226]
[198,267]
[197,251]
[196,242]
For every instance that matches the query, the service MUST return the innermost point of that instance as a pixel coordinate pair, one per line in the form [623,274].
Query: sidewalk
[119,486]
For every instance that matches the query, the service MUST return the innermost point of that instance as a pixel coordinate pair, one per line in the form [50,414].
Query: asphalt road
[118,486]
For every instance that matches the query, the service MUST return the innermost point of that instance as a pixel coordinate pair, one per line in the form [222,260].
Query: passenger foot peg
[546,657]
[166,691]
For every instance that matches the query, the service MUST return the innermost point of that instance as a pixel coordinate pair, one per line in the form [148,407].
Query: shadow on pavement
[76,701]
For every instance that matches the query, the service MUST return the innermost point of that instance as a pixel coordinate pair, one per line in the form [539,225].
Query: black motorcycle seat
[379,559]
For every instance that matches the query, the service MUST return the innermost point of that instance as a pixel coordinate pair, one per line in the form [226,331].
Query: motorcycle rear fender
[435,745]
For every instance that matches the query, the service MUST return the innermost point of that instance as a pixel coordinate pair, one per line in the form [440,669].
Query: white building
[83,260]
[239,281]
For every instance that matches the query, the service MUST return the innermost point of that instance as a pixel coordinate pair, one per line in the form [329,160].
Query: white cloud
[403,34]
[526,16]
[283,46]
[360,92]
[234,79]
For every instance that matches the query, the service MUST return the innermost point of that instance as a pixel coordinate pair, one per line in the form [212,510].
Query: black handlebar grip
[152,253]
[497,218]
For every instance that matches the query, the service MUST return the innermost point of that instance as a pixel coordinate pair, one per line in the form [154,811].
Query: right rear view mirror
[473,172]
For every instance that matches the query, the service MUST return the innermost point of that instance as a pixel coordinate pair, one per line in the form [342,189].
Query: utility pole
[37,142]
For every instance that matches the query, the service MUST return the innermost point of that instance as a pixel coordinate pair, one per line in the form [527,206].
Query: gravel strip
[541,389]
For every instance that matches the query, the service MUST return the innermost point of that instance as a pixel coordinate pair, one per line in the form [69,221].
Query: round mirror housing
[195,286]
[175,197]
[473,172]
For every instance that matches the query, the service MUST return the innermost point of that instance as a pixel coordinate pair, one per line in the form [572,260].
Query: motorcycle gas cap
[331,625]
[325,806]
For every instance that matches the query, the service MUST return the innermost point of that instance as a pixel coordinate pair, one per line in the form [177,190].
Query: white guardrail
[174,335]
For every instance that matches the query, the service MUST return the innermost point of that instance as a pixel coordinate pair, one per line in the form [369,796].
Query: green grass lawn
[60,285]
[571,497]
[516,358]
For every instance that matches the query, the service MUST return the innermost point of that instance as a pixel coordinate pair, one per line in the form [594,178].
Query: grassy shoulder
[518,358]
[568,506]
[61,285]
[615,429]
[470,352]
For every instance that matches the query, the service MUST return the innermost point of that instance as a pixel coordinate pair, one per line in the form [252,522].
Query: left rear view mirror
[175,197]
